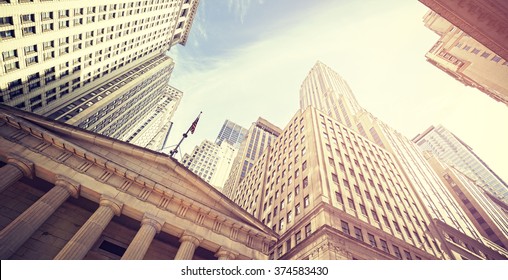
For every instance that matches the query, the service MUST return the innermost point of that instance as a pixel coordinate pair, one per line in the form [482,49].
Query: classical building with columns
[67,193]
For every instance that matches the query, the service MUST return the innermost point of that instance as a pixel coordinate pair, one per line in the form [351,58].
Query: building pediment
[149,177]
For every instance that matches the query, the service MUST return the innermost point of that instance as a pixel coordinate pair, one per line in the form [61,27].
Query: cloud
[380,55]
[239,8]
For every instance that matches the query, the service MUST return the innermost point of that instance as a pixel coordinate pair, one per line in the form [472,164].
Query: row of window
[292,241]
[359,235]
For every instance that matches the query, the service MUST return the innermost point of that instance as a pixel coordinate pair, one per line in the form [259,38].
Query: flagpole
[193,126]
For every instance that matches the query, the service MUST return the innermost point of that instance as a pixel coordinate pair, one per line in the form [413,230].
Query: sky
[246,59]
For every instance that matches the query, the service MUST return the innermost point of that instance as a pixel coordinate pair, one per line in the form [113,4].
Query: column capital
[112,203]
[72,186]
[156,222]
[225,254]
[191,238]
[26,166]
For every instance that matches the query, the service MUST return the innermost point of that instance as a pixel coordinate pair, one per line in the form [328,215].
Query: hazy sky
[246,59]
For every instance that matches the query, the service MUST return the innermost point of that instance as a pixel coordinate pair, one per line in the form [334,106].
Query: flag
[194,124]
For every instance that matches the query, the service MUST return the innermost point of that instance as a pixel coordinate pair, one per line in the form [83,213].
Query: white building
[211,162]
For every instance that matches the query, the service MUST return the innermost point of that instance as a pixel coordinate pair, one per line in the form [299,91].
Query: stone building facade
[67,193]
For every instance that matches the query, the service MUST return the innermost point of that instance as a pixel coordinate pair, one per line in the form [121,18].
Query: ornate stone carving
[26,166]
[72,186]
[112,203]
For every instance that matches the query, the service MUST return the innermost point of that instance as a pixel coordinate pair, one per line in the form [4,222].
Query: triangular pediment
[142,166]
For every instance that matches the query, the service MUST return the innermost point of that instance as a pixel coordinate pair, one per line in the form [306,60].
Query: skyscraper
[260,135]
[488,216]
[446,214]
[467,60]
[211,161]
[232,133]
[454,152]
[154,130]
[485,20]
[330,193]
[326,90]
[81,62]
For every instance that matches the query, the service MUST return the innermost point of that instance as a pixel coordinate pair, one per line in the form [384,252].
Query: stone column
[87,235]
[223,254]
[14,170]
[150,226]
[188,245]
[19,230]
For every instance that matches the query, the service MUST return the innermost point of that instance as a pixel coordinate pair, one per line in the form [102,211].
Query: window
[288,244]
[306,201]
[281,224]
[346,183]
[304,165]
[396,251]
[363,209]
[396,225]
[275,211]
[5,20]
[298,237]
[374,215]
[11,66]
[338,196]
[496,58]
[297,190]
[345,227]
[305,182]
[31,60]
[46,15]
[289,217]
[388,206]
[27,18]
[408,255]
[282,204]
[279,251]
[485,55]
[308,230]
[372,240]
[475,51]
[29,30]
[385,220]
[358,234]
[384,245]
[7,34]
[14,83]
[9,54]
[335,179]
[297,209]
[357,190]
[351,204]
[30,49]
[47,27]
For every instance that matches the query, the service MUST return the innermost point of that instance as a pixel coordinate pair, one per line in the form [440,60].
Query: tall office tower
[211,161]
[484,20]
[152,132]
[330,193]
[464,58]
[78,61]
[454,152]
[418,174]
[232,133]
[323,88]
[487,215]
[260,135]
